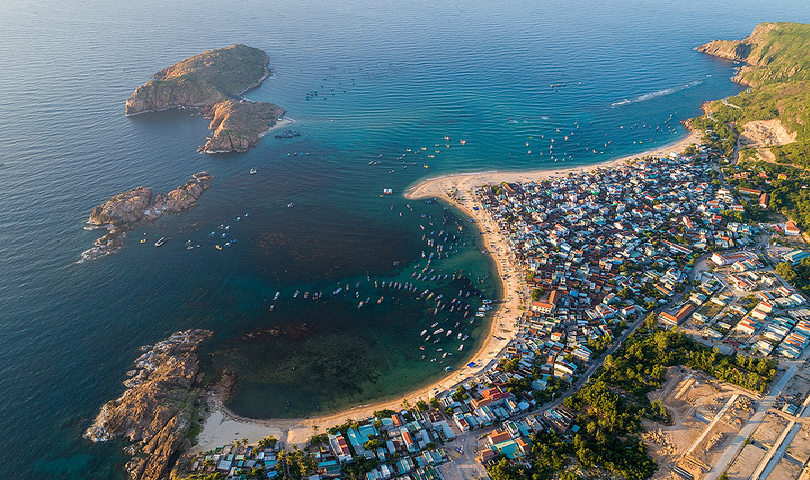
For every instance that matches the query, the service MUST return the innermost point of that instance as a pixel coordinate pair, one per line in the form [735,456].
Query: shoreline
[223,426]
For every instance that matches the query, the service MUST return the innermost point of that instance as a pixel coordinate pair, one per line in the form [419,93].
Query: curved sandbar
[224,426]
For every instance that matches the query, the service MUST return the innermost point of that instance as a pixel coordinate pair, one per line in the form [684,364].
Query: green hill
[776,59]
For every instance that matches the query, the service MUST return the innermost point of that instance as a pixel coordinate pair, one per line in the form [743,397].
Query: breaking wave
[656,94]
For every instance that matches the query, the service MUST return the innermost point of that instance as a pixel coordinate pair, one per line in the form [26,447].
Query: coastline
[222,426]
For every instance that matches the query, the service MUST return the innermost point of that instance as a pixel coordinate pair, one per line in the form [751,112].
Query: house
[673,320]
[791,228]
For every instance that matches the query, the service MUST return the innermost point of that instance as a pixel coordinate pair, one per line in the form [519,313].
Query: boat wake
[656,94]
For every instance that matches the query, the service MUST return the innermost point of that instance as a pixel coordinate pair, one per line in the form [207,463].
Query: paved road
[469,440]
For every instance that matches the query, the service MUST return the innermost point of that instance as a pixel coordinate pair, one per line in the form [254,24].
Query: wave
[656,94]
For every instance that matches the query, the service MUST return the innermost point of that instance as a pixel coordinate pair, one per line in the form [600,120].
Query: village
[601,251]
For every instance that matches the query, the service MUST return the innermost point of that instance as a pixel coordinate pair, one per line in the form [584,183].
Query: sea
[602,79]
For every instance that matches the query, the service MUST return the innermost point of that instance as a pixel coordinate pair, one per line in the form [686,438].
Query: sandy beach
[223,426]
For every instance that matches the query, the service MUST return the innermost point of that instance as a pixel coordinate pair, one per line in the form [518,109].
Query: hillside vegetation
[777,68]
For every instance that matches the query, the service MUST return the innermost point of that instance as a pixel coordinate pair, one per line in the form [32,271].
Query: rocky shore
[213,82]
[238,125]
[122,212]
[159,408]
[758,51]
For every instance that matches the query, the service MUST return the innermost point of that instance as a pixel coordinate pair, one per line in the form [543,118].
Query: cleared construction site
[717,427]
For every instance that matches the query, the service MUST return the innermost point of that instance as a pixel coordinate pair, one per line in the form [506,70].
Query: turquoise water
[404,75]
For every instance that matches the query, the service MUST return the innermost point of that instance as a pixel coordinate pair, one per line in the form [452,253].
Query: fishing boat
[161,241]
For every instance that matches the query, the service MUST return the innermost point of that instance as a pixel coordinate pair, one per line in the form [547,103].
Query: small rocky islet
[122,212]
[214,82]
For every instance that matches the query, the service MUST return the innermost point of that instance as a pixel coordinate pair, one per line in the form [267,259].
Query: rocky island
[160,408]
[213,82]
[122,212]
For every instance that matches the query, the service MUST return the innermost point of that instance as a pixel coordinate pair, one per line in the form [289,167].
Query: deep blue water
[403,74]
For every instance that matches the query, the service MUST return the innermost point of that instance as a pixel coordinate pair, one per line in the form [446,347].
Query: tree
[651,321]
[268,442]
[786,271]
[422,406]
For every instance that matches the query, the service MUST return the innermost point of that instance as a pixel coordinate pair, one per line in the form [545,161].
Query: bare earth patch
[694,400]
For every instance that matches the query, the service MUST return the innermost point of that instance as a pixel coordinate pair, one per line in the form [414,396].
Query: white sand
[223,426]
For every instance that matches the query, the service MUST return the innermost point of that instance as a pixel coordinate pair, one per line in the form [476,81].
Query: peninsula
[122,212]
[214,82]
[159,408]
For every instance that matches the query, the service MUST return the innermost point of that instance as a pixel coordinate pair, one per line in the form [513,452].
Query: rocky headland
[773,51]
[122,212]
[213,82]
[160,408]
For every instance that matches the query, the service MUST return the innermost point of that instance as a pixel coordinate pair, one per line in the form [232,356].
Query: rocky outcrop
[238,125]
[734,50]
[122,212]
[214,81]
[158,408]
